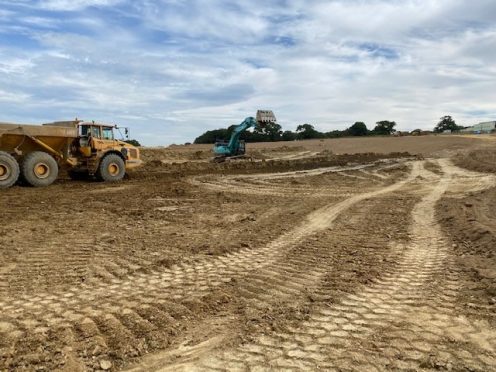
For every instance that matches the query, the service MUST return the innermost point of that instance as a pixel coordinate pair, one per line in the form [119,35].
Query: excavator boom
[235,147]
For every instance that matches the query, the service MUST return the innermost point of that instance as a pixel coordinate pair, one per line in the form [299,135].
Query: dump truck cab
[95,145]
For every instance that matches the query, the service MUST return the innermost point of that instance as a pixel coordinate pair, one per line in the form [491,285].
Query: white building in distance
[485,127]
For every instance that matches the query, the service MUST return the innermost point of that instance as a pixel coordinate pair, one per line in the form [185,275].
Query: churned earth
[299,259]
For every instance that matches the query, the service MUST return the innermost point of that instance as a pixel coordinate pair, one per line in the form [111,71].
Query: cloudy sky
[171,69]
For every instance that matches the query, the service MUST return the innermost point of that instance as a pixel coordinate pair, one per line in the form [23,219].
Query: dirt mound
[443,146]
[471,224]
[178,153]
[154,165]
[483,160]
[284,149]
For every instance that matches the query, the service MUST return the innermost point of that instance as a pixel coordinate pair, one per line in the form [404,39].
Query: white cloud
[12,97]
[181,67]
[72,5]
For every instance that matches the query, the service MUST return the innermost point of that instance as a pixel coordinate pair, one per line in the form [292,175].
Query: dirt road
[335,267]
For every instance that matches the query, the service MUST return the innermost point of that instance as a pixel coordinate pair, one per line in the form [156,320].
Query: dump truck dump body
[13,138]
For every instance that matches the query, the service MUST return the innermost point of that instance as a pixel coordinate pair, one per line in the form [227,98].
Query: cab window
[84,130]
[95,132]
[108,133]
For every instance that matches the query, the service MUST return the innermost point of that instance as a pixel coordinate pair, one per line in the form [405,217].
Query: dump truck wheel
[39,169]
[9,170]
[112,169]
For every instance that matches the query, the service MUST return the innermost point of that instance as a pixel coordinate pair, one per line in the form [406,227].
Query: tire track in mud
[297,156]
[37,258]
[83,256]
[260,184]
[123,308]
[395,323]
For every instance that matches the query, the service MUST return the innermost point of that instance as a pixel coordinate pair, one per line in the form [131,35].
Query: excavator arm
[231,148]
[235,147]
[238,130]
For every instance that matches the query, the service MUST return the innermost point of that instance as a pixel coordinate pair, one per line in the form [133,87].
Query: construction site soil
[348,255]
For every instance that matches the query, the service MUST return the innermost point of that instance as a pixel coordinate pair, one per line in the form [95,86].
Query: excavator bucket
[265,117]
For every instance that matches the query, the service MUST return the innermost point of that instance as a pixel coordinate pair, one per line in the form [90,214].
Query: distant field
[440,145]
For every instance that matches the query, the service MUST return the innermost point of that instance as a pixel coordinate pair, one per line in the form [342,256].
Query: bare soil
[428,146]
[334,255]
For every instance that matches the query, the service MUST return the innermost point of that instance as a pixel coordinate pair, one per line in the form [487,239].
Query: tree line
[273,132]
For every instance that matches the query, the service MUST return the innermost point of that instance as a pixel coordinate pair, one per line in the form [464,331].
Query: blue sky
[171,69]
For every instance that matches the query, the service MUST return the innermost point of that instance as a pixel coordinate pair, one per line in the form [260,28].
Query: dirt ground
[434,145]
[348,255]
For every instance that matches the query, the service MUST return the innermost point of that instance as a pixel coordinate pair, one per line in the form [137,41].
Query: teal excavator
[235,148]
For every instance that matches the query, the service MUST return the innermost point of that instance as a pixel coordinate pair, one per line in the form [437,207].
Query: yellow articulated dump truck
[34,154]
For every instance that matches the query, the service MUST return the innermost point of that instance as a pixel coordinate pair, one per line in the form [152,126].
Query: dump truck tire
[9,170]
[39,169]
[111,169]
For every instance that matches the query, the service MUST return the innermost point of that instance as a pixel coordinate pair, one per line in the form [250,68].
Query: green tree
[358,129]
[446,123]
[133,142]
[384,127]
[211,136]
[307,131]
[288,135]
[268,132]
[335,134]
